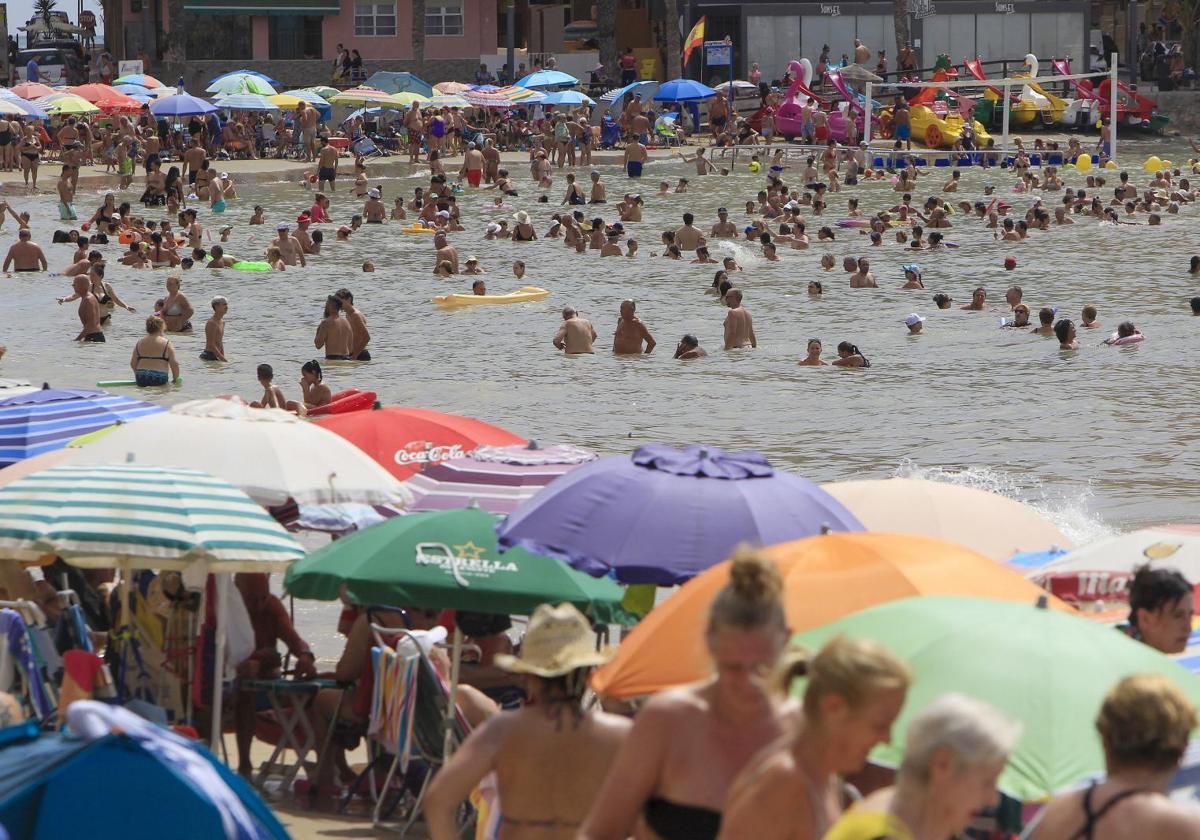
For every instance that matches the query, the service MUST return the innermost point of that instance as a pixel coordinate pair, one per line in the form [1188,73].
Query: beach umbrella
[44,420]
[25,105]
[65,104]
[1103,569]
[989,523]
[858,74]
[132,90]
[362,96]
[1046,668]
[492,98]
[663,515]
[135,516]
[285,101]
[32,90]
[142,79]
[180,105]
[361,112]
[269,454]
[446,560]
[547,79]
[683,90]
[407,98]
[825,578]
[263,76]
[245,102]
[521,95]
[567,97]
[10,108]
[451,87]
[405,439]
[740,88]
[308,95]
[324,91]
[447,100]
[138,775]
[496,478]
[646,89]
[241,83]
[12,387]
[100,94]
[34,464]
[399,82]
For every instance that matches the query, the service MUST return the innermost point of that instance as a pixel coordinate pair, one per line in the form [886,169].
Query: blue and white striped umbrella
[44,420]
[140,517]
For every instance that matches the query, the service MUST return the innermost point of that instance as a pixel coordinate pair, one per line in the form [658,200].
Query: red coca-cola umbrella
[405,439]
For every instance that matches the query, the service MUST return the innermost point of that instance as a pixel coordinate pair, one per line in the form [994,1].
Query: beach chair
[610,132]
[666,132]
[23,668]
[407,722]
[365,147]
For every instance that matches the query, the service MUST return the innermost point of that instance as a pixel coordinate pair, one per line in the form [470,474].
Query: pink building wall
[260,38]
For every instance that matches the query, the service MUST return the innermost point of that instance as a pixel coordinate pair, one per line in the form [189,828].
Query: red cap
[1010,263]
[304,217]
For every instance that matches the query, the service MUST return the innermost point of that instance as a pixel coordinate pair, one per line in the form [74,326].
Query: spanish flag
[694,39]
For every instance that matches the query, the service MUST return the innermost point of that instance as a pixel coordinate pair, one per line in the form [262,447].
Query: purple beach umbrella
[495,478]
[663,515]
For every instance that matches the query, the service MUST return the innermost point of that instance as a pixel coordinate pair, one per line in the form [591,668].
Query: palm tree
[900,15]
[418,35]
[674,47]
[606,34]
[45,10]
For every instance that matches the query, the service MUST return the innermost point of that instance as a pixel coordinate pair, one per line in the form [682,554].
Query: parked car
[58,63]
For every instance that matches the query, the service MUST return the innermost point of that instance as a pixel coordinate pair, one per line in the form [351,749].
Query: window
[294,37]
[217,37]
[374,19]
[444,19]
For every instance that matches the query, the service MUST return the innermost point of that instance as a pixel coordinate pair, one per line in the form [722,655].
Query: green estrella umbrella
[447,560]
[1046,668]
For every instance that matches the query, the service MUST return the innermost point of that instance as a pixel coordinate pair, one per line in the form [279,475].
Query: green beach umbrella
[1048,669]
[447,560]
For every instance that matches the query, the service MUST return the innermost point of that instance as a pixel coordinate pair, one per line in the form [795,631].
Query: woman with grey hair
[954,753]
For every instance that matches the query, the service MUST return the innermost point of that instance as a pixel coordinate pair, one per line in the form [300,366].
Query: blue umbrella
[180,105]
[683,90]
[125,777]
[484,88]
[548,79]
[663,515]
[262,76]
[133,90]
[399,82]
[567,97]
[42,421]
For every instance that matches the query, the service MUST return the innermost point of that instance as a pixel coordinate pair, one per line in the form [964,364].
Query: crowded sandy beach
[661,461]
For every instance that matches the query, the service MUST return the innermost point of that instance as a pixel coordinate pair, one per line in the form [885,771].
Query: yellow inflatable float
[417,229]
[525,294]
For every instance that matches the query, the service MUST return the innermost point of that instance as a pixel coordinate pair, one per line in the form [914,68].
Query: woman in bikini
[1144,724]
[176,309]
[551,754]
[153,360]
[794,791]
[688,744]
[31,155]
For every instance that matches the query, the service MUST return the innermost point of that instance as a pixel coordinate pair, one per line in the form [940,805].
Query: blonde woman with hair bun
[1145,724]
[673,774]
[794,791]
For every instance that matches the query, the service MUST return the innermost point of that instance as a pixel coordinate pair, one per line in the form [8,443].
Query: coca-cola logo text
[421,452]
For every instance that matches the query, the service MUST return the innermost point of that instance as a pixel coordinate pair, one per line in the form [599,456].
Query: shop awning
[262,7]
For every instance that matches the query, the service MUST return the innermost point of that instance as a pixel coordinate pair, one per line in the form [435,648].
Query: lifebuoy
[933,137]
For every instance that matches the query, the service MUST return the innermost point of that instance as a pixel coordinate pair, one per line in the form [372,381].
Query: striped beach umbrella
[44,420]
[495,478]
[451,87]
[503,97]
[138,79]
[448,100]
[135,516]
[362,96]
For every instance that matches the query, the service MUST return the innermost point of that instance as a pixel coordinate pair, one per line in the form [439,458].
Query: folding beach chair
[666,131]
[365,147]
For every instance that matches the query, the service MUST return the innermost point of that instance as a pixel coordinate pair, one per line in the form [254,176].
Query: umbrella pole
[125,572]
[219,660]
[455,663]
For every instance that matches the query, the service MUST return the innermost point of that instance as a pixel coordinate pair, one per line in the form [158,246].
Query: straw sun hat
[559,640]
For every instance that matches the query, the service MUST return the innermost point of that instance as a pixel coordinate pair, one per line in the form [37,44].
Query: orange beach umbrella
[824,578]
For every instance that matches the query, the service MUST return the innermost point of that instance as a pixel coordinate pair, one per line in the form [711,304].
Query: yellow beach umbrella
[407,98]
[362,96]
[285,100]
[67,103]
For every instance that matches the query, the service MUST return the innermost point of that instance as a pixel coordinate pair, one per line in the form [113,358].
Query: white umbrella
[740,88]
[269,454]
[245,102]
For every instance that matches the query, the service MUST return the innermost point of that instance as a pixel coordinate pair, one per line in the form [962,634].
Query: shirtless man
[739,326]
[289,248]
[374,210]
[689,348]
[219,260]
[192,159]
[89,310]
[978,298]
[723,228]
[575,335]
[612,247]
[360,336]
[472,168]
[635,157]
[1013,296]
[718,114]
[631,332]
[491,161]
[688,237]
[903,124]
[599,193]
[327,163]
[156,181]
[214,332]
[334,333]
[25,255]
[308,131]
[445,251]
[302,236]
[862,278]
[66,197]
[153,150]
[862,53]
